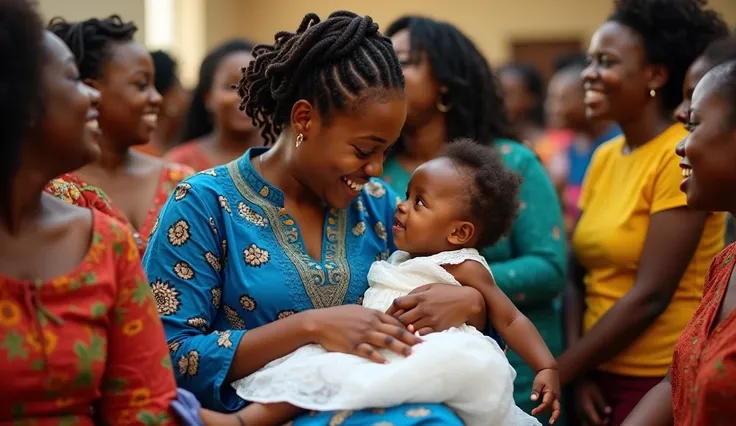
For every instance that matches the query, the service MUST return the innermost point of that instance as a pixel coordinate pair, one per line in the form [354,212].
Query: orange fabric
[552,143]
[704,364]
[190,154]
[74,190]
[91,338]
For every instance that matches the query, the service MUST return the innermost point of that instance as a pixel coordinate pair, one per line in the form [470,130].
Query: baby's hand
[547,384]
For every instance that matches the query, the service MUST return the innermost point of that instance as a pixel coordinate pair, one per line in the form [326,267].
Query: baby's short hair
[493,189]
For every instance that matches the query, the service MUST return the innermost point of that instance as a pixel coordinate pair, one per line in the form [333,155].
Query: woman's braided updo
[332,62]
[90,40]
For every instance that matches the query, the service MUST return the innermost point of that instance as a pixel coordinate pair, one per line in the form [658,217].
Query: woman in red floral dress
[79,330]
[81,342]
[121,69]
[701,385]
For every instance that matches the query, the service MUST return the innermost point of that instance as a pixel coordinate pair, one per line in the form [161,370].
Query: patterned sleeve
[72,190]
[537,271]
[183,264]
[138,383]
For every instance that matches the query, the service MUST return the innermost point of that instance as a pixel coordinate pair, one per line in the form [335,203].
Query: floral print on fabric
[704,362]
[57,339]
[73,190]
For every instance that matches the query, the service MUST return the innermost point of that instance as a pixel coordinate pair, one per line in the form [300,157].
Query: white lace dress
[459,367]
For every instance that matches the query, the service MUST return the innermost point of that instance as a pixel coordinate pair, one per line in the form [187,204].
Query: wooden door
[544,53]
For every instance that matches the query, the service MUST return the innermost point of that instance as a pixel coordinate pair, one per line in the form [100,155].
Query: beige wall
[492,24]
[75,10]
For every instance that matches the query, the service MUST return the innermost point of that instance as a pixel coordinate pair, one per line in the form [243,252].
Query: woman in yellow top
[643,252]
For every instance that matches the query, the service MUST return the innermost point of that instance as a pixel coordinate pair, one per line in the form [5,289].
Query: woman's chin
[696,202]
[91,149]
[598,112]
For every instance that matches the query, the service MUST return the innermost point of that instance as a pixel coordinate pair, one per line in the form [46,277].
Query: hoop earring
[440,104]
[299,140]
[652,93]
[441,107]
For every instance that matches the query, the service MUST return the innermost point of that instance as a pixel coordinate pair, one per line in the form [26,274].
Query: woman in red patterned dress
[701,385]
[79,329]
[121,69]
[81,342]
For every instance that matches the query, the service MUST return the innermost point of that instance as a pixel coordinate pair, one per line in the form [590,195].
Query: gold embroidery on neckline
[323,291]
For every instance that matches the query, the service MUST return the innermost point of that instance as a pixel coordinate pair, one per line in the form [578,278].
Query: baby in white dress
[464,199]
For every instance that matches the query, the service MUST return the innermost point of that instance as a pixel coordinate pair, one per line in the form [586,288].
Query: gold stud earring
[299,140]
[652,93]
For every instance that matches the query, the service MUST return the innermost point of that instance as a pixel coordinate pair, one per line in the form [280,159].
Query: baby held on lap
[461,201]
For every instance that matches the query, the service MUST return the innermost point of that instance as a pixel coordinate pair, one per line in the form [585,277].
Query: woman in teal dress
[251,260]
[452,94]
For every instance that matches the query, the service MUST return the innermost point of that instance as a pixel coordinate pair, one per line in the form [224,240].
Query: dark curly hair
[674,33]
[720,51]
[332,62]
[199,119]
[494,190]
[534,83]
[21,81]
[90,40]
[473,91]
[165,67]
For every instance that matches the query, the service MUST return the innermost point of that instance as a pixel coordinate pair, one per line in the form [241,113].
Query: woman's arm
[183,264]
[664,259]
[138,385]
[537,272]
[574,303]
[655,409]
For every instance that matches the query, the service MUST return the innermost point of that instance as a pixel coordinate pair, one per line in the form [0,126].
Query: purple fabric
[187,408]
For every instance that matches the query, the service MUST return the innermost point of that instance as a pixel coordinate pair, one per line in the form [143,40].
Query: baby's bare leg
[268,414]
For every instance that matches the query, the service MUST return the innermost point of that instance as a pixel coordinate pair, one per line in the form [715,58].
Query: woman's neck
[164,135]
[229,142]
[23,204]
[113,157]
[645,126]
[424,143]
[592,131]
[274,166]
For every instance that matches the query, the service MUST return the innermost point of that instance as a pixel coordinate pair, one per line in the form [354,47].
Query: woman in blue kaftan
[232,255]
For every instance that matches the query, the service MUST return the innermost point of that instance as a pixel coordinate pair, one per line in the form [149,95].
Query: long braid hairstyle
[199,120]
[332,62]
[89,40]
[478,110]
[21,85]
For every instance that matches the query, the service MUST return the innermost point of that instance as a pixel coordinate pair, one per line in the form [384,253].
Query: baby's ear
[461,234]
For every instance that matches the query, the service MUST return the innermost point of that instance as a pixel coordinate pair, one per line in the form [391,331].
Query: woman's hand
[353,329]
[547,385]
[437,307]
[592,407]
